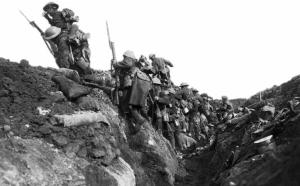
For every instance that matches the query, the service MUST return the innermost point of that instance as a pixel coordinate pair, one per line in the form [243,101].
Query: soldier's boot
[139,120]
[133,127]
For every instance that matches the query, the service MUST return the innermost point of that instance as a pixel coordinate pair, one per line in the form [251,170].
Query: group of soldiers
[179,113]
[68,43]
[144,88]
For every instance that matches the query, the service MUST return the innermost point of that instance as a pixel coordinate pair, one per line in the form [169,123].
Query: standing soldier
[63,20]
[194,115]
[206,107]
[135,86]
[163,102]
[155,112]
[226,110]
[160,66]
[185,92]
[126,69]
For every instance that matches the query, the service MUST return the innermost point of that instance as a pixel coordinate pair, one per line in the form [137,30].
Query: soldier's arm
[123,64]
[168,63]
[46,16]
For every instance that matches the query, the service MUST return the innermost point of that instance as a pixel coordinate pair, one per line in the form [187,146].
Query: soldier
[206,107]
[80,49]
[144,65]
[160,66]
[226,110]
[294,106]
[163,102]
[195,92]
[143,62]
[185,91]
[154,110]
[79,45]
[126,68]
[63,20]
[135,86]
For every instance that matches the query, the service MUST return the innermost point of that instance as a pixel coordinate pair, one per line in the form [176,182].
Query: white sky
[232,47]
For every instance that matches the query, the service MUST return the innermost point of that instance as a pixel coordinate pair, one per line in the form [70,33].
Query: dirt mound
[239,158]
[279,95]
[32,105]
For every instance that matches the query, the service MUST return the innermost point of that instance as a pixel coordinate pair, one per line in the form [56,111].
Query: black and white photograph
[150,93]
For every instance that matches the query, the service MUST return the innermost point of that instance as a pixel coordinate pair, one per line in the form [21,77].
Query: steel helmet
[54,5]
[194,90]
[130,54]
[52,32]
[184,84]
[224,98]
[151,56]
[156,81]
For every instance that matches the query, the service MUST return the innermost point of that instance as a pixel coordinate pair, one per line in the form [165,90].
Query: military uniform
[225,110]
[160,67]
[126,69]
[185,92]
[63,20]
[78,41]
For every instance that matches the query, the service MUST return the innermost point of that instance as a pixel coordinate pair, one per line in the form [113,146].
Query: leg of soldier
[159,125]
[176,138]
[197,131]
[124,100]
[63,51]
[168,133]
[172,136]
[83,65]
[136,115]
[180,141]
[144,112]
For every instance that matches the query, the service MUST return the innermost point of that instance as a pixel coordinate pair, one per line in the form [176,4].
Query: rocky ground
[54,131]
[49,124]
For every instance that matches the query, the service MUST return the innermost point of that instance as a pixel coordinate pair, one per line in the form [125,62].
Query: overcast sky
[222,47]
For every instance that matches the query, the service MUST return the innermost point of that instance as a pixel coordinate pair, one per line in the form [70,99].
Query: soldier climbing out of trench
[79,53]
[70,43]
[161,69]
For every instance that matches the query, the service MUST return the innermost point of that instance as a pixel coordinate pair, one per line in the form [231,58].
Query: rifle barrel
[108,34]
[24,16]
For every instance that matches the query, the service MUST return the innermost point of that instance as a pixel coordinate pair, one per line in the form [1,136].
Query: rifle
[32,23]
[114,59]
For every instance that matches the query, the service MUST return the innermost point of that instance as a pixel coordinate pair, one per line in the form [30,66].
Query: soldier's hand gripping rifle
[114,59]
[32,23]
